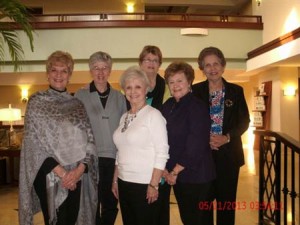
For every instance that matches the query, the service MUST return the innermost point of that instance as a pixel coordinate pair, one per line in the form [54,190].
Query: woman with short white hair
[142,144]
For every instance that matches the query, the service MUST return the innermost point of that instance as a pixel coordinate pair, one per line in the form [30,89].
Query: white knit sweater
[142,147]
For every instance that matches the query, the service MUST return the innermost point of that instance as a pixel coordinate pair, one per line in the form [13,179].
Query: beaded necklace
[129,118]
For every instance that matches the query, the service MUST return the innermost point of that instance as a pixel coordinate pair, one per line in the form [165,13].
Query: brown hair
[210,51]
[180,66]
[60,57]
[150,49]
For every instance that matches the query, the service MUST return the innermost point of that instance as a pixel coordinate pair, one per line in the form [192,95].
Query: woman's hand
[171,178]
[165,174]
[114,186]
[217,141]
[70,180]
[152,193]
[115,189]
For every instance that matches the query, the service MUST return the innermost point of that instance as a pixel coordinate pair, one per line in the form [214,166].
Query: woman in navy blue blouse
[190,168]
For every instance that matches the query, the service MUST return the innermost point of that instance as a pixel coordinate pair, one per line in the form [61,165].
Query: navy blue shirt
[188,125]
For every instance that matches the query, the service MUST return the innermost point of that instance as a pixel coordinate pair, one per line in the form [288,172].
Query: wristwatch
[154,186]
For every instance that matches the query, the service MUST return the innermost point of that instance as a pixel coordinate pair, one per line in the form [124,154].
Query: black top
[236,118]
[103,96]
[158,92]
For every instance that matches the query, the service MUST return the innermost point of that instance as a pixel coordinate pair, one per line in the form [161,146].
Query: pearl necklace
[129,118]
[103,96]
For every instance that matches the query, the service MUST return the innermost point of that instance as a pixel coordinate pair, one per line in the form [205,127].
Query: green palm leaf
[15,17]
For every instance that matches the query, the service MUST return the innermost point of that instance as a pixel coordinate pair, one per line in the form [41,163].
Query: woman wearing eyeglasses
[104,106]
[150,60]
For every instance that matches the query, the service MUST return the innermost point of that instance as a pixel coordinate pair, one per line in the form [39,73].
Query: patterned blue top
[216,100]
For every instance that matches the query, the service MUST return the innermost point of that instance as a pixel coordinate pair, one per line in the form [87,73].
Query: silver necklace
[129,118]
[103,96]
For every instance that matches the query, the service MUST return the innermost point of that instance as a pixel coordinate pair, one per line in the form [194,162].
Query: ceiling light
[130,7]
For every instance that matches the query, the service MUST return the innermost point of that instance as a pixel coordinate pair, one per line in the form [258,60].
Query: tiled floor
[247,194]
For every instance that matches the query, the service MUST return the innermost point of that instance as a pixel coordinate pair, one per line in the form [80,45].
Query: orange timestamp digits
[256,205]
[239,205]
[227,205]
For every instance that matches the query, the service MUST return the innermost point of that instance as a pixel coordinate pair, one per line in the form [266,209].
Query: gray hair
[100,56]
[210,51]
[134,72]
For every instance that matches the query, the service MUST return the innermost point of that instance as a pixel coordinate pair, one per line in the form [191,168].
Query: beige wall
[279,17]
[289,104]
[284,110]
[89,6]
[125,45]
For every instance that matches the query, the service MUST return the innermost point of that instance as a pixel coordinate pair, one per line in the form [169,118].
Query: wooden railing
[288,37]
[279,175]
[144,20]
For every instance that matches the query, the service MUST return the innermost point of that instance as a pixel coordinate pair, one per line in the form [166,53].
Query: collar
[52,88]
[94,89]
[183,99]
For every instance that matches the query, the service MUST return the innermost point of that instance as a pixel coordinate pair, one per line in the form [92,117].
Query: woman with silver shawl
[58,168]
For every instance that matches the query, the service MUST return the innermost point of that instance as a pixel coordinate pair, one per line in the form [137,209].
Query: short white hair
[132,73]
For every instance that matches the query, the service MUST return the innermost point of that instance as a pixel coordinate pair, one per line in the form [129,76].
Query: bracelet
[173,173]
[63,175]
[228,138]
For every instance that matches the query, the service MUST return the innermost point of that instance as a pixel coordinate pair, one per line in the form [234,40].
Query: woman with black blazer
[229,120]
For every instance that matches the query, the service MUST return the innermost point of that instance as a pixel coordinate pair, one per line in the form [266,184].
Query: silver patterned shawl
[56,125]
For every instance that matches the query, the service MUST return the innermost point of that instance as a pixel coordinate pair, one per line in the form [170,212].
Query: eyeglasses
[148,61]
[101,69]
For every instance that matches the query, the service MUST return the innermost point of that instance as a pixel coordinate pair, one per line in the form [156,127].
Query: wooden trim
[63,21]
[295,34]
[152,23]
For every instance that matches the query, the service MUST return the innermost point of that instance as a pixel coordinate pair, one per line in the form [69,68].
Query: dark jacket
[188,126]
[236,118]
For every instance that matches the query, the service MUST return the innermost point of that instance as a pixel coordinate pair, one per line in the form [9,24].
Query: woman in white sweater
[142,144]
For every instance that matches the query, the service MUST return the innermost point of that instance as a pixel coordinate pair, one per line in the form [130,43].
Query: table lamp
[10,115]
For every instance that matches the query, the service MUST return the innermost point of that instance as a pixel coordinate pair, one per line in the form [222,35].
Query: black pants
[189,197]
[225,188]
[107,210]
[164,204]
[134,205]
[67,213]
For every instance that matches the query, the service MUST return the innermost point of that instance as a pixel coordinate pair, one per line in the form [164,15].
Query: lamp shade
[10,114]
